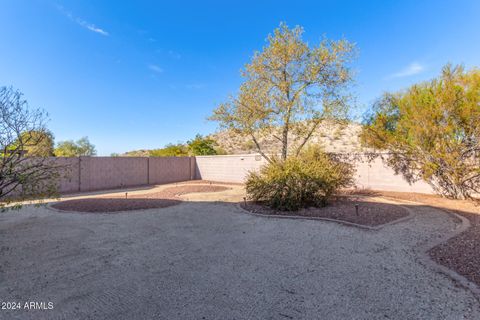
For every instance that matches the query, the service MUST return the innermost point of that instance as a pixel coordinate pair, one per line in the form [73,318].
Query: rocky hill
[332,137]
[136,153]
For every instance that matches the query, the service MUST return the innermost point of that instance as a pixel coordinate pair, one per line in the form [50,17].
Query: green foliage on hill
[170,150]
[198,146]
[203,146]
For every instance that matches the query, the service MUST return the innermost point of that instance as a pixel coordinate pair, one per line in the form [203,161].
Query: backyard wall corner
[227,168]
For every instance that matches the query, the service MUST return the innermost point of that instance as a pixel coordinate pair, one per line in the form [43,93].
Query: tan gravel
[210,260]
[460,253]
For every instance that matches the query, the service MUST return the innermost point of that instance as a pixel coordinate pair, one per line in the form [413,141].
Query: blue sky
[140,74]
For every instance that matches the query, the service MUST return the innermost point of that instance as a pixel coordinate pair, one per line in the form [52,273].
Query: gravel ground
[209,260]
[114,203]
[460,253]
[371,211]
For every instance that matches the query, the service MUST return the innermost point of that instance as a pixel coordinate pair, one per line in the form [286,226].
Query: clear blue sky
[140,74]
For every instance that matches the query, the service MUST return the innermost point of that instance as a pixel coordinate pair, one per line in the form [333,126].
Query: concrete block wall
[100,173]
[69,181]
[376,175]
[229,168]
[370,175]
[97,173]
[170,169]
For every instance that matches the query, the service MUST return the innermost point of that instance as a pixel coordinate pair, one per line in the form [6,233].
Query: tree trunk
[285,143]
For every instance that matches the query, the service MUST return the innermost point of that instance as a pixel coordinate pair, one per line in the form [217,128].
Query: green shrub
[309,179]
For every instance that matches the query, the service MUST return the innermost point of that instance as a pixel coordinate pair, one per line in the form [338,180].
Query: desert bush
[431,131]
[309,179]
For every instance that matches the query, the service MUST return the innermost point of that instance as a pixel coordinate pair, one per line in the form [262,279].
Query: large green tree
[70,148]
[38,143]
[431,131]
[202,146]
[289,88]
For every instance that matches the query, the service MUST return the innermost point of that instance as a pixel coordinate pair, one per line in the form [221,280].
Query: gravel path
[210,260]
[460,253]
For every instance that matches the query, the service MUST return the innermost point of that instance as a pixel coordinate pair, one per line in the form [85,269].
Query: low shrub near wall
[306,180]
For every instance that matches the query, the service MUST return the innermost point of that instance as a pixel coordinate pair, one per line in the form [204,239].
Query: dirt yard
[206,258]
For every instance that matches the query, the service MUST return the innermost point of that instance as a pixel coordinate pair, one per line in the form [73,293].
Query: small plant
[309,179]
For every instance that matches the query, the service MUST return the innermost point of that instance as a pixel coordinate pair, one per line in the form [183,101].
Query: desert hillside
[136,153]
[333,138]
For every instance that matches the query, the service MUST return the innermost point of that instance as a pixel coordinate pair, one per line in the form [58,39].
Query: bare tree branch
[20,129]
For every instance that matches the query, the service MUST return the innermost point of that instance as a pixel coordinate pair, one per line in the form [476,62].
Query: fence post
[192,168]
[79,173]
[148,170]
